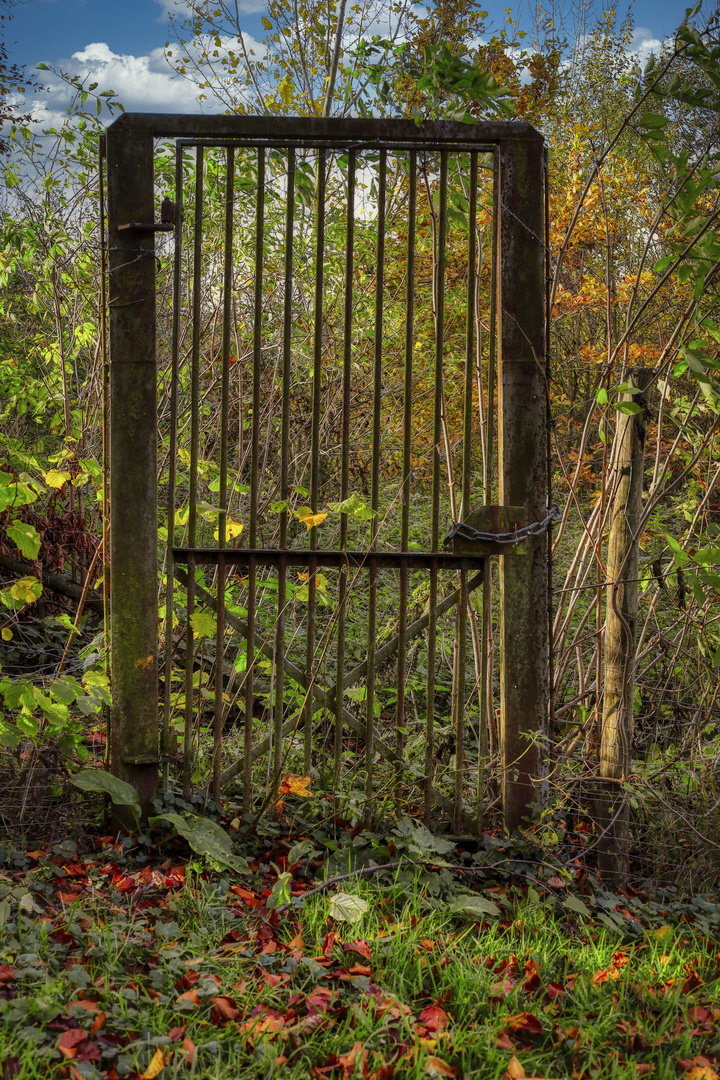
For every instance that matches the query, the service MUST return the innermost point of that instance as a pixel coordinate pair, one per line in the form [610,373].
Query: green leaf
[629,408]
[299,850]
[280,893]
[355,506]
[601,396]
[206,838]
[26,537]
[574,903]
[345,907]
[104,783]
[472,904]
[10,737]
[203,624]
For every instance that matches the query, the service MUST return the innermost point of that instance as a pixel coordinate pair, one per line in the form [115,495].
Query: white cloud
[643,43]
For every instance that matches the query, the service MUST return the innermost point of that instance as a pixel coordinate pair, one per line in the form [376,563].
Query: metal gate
[320,382]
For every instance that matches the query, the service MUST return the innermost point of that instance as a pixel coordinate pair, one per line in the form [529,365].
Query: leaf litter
[127,961]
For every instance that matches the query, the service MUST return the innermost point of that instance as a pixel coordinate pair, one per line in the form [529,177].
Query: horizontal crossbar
[394,560]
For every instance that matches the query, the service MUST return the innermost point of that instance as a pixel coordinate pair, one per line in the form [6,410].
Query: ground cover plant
[123,957]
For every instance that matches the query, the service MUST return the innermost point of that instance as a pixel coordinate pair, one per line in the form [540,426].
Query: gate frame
[135,754]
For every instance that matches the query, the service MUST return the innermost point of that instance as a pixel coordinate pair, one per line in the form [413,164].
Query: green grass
[525,986]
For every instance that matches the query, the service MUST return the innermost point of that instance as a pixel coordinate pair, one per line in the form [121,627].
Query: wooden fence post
[621,618]
[133,471]
[523,479]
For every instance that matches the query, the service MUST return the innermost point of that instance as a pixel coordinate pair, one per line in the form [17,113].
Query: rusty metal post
[611,810]
[523,479]
[133,469]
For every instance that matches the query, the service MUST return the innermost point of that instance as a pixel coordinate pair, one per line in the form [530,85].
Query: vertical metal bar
[254,470]
[407,452]
[375,482]
[105,431]
[315,447]
[174,362]
[462,613]
[133,468]
[222,516]
[194,454]
[523,474]
[439,290]
[345,459]
[284,467]
[486,679]
[548,286]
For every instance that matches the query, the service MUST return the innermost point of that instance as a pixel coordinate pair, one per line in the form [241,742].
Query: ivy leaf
[574,903]
[206,838]
[26,537]
[472,904]
[345,907]
[102,782]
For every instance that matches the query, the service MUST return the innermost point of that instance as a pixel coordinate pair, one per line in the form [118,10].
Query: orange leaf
[97,1023]
[69,1041]
[361,947]
[701,1072]
[225,1008]
[434,1018]
[190,995]
[523,1022]
[437,1067]
[515,1071]
[157,1064]
[295,785]
[190,1049]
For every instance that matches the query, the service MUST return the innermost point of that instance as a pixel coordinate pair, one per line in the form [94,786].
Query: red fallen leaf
[7,973]
[10,1068]
[88,1051]
[555,990]
[698,1014]
[68,898]
[435,1066]
[70,1040]
[427,944]
[385,1071]
[62,937]
[360,969]
[620,959]
[361,947]
[523,1021]
[89,1006]
[319,999]
[434,1018]
[176,1033]
[190,1049]
[274,980]
[224,1008]
[296,943]
[643,1068]
[329,943]
[270,947]
[504,1042]
[691,982]
[189,979]
[532,976]
[98,1022]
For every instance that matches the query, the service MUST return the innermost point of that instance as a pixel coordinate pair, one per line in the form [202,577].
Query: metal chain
[467,532]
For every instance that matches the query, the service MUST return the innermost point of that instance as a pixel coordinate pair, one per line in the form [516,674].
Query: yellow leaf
[56,479]
[232,529]
[295,785]
[6,634]
[303,575]
[310,520]
[515,1069]
[662,932]
[157,1063]
[26,590]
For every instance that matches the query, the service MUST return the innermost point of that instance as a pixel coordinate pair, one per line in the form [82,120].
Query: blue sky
[121,43]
